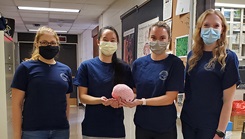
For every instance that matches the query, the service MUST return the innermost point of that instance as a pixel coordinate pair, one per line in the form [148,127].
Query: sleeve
[231,73]
[20,80]
[81,78]
[70,89]
[176,77]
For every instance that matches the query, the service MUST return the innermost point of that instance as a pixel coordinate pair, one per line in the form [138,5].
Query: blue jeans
[46,134]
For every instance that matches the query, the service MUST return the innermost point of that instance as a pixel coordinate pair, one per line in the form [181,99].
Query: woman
[95,80]
[211,79]
[158,78]
[40,91]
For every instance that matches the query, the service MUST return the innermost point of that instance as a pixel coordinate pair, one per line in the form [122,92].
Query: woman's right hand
[105,101]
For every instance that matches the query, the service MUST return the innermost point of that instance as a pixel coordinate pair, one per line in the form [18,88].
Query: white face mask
[108,48]
[158,47]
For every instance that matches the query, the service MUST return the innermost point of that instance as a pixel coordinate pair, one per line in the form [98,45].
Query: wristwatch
[220,133]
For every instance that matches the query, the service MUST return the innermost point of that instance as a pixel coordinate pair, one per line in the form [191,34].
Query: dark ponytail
[117,63]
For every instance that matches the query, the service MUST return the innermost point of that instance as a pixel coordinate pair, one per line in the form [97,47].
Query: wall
[112,17]
[84,47]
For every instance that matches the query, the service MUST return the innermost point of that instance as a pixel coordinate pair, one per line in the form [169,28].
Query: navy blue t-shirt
[45,89]
[153,79]
[100,120]
[204,88]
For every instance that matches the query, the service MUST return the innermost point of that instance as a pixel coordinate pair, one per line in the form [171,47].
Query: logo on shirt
[163,75]
[209,67]
[64,77]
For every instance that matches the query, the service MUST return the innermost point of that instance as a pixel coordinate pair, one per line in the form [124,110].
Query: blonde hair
[41,31]
[219,53]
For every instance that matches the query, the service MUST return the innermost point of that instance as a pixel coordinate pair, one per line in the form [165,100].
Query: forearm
[226,108]
[68,109]
[224,116]
[17,121]
[68,112]
[87,99]
[163,100]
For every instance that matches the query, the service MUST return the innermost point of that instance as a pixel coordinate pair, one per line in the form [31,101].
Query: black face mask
[48,52]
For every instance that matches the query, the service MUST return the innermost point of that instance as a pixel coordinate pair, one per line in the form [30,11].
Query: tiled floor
[77,114]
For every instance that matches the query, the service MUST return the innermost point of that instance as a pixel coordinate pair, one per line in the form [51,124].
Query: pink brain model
[123,91]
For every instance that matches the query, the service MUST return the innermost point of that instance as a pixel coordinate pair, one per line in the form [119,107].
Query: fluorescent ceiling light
[57,31]
[230,5]
[48,9]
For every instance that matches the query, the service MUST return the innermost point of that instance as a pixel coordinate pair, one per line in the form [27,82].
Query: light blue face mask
[210,35]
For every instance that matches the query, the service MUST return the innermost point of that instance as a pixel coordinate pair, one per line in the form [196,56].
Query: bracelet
[220,133]
[144,101]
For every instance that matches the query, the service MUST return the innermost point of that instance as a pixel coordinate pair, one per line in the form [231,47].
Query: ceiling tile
[33,15]
[93,26]
[66,5]
[31,26]
[75,31]
[35,19]
[37,0]
[90,13]
[7,2]
[8,8]
[60,24]
[82,20]
[63,16]
[96,7]
[100,2]
[10,15]
[69,1]
[81,25]
[32,3]
[18,20]
[59,28]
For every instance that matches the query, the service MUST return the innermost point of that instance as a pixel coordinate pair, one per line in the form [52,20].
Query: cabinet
[7,65]
[236,29]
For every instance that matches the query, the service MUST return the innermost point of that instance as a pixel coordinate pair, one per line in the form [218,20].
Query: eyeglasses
[45,43]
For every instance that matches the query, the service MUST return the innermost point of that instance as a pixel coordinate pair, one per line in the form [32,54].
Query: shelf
[233,22]
[236,29]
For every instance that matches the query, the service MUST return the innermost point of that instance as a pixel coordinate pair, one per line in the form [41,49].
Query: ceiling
[74,23]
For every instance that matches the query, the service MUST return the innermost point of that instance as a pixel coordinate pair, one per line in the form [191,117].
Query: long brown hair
[117,63]
[41,31]
[219,53]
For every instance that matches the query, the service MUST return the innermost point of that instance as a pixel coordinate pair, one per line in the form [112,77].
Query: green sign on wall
[181,45]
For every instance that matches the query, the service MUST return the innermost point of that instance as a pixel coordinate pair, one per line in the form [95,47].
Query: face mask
[108,48]
[210,35]
[158,47]
[48,52]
